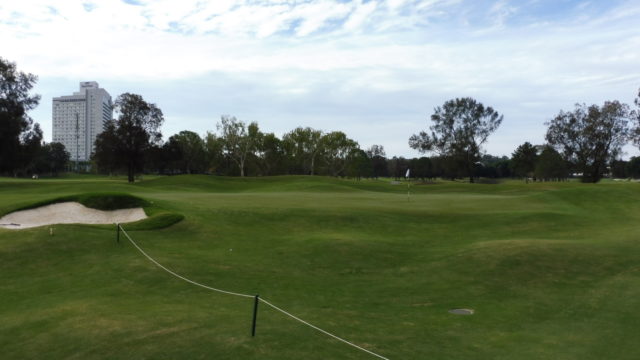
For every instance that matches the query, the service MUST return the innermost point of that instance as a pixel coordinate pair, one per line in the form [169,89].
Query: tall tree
[156,159]
[460,128]
[397,167]
[619,169]
[421,168]
[125,141]
[58,156]
[336,148]
[359,164]
[303,146]
[378,160]
[635,115]
[239,139]
[106,154]
[494,166]
[53,158]
[633,168]
[270,154]
[192,148]
[523,160]
[550,165]
[30,147]
[17,129]
[590,136]
[213,152]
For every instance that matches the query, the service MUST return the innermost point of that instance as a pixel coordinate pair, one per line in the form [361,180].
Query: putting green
[550,270]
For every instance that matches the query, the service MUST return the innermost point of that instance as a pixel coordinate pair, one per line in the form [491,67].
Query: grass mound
[101,201]
[270,184]
[111,201]
[158,219]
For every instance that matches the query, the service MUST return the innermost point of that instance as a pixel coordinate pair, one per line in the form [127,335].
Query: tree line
[132,143]
[586,141]
[22,150]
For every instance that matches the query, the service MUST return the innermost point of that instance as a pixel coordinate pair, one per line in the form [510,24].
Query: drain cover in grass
[461,311]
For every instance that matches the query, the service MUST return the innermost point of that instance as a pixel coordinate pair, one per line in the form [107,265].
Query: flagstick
[406,176]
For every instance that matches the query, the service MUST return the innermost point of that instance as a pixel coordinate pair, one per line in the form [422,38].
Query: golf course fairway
[550,270]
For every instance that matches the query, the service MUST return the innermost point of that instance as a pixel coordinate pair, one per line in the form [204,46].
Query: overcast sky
[373,69]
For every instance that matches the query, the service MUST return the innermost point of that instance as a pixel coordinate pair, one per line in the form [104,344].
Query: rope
[249,296]
[322,331]
[178,276]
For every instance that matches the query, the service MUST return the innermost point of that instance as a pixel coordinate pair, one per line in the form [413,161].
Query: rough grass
[550,269]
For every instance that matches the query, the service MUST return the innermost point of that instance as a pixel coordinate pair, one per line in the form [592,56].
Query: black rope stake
[255,315]
[118,233]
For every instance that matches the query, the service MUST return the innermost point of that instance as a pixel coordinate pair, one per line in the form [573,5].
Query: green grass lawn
[552,271]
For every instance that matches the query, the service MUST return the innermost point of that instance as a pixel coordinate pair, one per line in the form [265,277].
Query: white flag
[407,174]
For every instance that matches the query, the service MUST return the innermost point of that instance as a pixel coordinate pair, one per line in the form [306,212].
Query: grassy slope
[551,270]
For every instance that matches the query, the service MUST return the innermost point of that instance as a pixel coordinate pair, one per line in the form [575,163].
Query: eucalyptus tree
[239,140]
[397,167]
[460,127]
[106,154]
[590,136]
[359,164]
[214,157]
[421,168]
[633,167]
[126,140]
[193,151]
[303,147]
[523,160]
[52,158]
[270,154]
[635,115]
[19,136]
[29,149]
[336,149]
[550,165]
[378,160]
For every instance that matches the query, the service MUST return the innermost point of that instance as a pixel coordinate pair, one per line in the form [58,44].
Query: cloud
[501,11]
[360,14]
[356,62]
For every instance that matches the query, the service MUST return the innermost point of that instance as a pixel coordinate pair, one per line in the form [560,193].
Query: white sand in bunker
[68,213]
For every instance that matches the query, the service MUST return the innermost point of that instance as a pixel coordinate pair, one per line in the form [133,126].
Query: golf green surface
[551,270]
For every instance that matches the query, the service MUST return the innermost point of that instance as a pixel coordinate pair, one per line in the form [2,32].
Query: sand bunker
[461,311]
[68,213]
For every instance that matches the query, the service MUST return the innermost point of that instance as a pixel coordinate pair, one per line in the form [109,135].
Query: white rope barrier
[248,296]
[179,276]
[322,331]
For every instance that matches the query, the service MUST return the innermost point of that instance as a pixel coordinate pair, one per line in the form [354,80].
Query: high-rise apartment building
[79,118]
